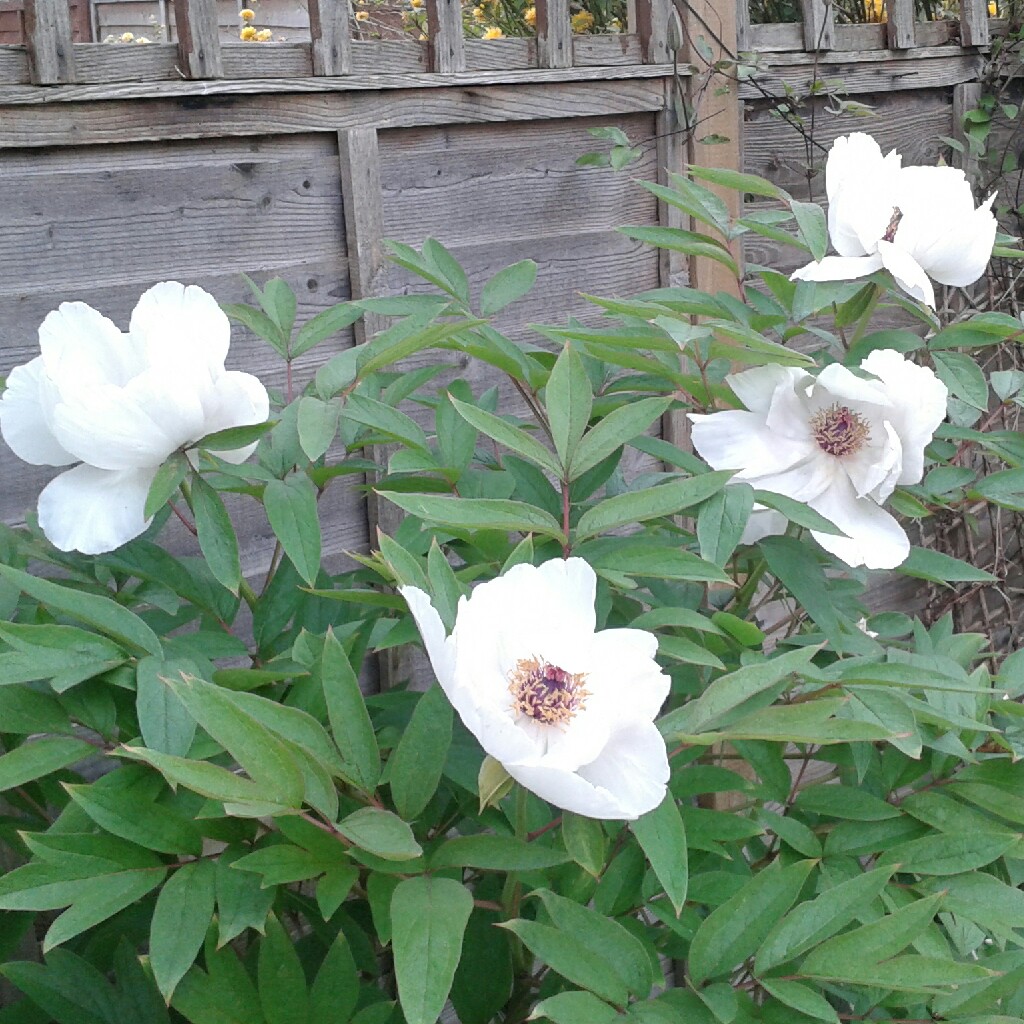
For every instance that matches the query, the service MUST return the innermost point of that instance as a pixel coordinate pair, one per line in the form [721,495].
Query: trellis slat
[198,38]
[331,33]
[554,34]
[974,23]
[819,25]
[51,56]
[446,50]
[900,26]
[655,20]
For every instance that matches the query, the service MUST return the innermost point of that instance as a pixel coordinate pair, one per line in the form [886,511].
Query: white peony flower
[837,442]
[119,405]
[568,711]
[916,222]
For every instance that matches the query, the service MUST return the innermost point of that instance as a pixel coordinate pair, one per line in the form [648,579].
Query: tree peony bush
[624,798]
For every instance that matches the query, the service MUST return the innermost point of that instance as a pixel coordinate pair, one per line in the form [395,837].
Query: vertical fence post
[198,38]
[654,20]
[966,97]
[331,33]
[900,24]
[51,56]
[554,34]
[974,23]
[819,25]
[446,51]
[742,25]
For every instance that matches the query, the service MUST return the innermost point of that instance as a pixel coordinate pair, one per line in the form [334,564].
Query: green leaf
[333,889]
[122,803]
[568,956]
[603,937]
[346,711]
[937,567]
[800,997]
[662,836]
[844,803]
[691,243]
[281,981]
[872,942]
[209,780]
[731,691]
[429,917]
[795,564]
[739,182]
[104,897]
[415,767]
[180,921]
[568,400]
[66,655]
[797,512]
[512,437]
[259,323]
[232,438]
[166,483]
[282,864]
[165,723]
[477,513]
[293,515]
[731,932]
[811,923]
[68,989]
[39,757]
[100,612]
[585,842]
[611,432]
[575,1008]
[496,853]
[923,974]
[810,219]
[944,854]
[963,376]
[437,257]
[381,833]
[387,420]
[322,326]
[267,759]
[649,503]
[317,425]
[721,522]
[335,989]
[242,902]
[216,534]
[506,286]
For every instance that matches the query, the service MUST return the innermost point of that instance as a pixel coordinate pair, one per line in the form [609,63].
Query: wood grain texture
[819,24]
[900,33]
[884,73]
[974,29]
[554,34]
[198,38]
[51,56]
[605,51]
[965,98]
[790,37]
[507,54]
[244,115]
[331,37]
[446,52]
[370,81]
[654,26]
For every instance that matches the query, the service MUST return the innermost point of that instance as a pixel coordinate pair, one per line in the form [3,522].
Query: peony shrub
[608,789]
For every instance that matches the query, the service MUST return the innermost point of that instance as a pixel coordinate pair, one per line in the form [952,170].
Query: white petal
[234,400]
[919,405]
[179,326]
[625,781]
[763,522]
[23,418]
[440,647]
[850,158]
[838,268]
[874,469]
[633,767]
[909,274]
[874,538]
[138,425]
[837,382]
[803,481]
[860,184]
[756,387]
[82,348]
[739,440]
[94,510]
[960,252]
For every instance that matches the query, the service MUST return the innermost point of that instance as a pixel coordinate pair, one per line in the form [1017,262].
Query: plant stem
[865,317]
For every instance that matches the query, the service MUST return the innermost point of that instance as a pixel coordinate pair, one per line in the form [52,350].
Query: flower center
[545,692]
[894,223]
[839,430]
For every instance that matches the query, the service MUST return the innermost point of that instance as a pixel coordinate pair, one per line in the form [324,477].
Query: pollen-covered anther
[839,430]
[545,692]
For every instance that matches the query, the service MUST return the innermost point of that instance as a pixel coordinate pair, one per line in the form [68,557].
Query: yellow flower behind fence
[493,33]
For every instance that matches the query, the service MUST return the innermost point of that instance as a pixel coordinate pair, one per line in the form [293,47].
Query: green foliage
[217,816]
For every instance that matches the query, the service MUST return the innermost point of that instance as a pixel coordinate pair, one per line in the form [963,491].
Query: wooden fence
[202,159]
